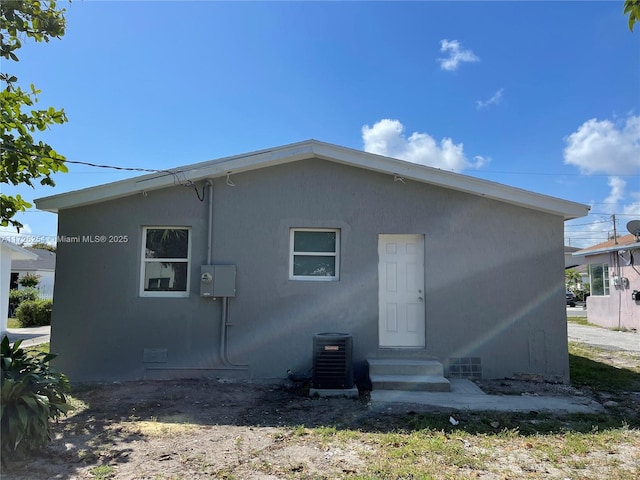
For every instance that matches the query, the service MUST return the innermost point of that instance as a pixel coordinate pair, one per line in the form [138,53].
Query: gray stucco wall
[494,281]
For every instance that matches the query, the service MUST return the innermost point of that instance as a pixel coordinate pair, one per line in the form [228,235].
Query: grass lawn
[595,368]
[579,320]
[42,347]
[584,321]
[13,323]
[411,445]
[517,445]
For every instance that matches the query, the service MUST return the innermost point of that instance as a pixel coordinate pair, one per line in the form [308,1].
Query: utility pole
[615,233]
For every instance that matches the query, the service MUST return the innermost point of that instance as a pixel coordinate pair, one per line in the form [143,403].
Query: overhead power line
[129,169]
[585,224]
[89,164]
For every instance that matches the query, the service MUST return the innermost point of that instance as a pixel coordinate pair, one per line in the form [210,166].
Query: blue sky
[542,95]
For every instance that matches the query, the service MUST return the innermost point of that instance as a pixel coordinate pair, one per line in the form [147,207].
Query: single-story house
[8,254]
[232,267]
[43,266]
[569,260]
[614,275]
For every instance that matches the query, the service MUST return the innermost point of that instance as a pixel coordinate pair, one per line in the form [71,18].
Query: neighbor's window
[314,254]
[599,274]
[166,253]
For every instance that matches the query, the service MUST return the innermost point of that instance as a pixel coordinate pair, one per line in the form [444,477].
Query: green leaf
[31,403]
[20,157]
[23,415]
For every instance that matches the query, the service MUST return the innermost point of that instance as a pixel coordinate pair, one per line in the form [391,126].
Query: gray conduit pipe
[223,333]
[225,324]
[209,184]
[225,300]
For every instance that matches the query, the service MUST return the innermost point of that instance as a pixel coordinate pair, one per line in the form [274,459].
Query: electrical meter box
[206,280]
[224,281]
[217,281]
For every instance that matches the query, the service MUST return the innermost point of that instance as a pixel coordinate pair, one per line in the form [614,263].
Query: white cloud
[601,147]
[457,55]
[496,99]
[386,137]
[616,194]
[9,231]
[597,227]
[619,202]
[11,235]
[633,208]
[480,161]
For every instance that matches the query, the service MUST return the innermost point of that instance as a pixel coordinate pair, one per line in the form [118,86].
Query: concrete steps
[407,375]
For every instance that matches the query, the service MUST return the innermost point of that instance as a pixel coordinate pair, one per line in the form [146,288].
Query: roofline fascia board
[86,196]
[16,249]
[615,248]
[31,269]
[457,181]
[155,181]
[239,164]
[310,149]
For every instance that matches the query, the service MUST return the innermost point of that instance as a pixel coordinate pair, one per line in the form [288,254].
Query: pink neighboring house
[614,275]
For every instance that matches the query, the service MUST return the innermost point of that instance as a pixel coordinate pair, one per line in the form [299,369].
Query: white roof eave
[614,248]
[314,149]
[17,252]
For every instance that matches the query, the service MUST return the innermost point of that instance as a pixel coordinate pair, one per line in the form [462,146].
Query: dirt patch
[530,386]
[196,429]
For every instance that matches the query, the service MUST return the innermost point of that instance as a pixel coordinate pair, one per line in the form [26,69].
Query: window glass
[314,241]
[314,266]
[165,266]
[599,274]
[167,243]
[314,254]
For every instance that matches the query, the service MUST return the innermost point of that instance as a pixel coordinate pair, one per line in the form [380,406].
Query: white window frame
[336,254]
[144,261]
[605,280]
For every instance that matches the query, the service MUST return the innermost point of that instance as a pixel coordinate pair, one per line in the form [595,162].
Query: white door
[401,290]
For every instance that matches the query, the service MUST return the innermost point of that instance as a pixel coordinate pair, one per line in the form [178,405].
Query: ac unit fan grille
[332,360]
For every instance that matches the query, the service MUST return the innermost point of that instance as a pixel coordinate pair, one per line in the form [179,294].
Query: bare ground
[196,429]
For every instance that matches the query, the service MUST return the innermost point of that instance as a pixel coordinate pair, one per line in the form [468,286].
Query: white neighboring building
[8,254]
[44,266]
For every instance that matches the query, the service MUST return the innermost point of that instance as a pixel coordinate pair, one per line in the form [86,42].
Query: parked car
[571,299]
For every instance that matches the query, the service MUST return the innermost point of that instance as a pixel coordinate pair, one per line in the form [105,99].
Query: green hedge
[34,313]
[16,297]
[32,394]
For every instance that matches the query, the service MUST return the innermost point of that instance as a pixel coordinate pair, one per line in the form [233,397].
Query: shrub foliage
[29,280]
[32,393]
[34,313]
[16,297]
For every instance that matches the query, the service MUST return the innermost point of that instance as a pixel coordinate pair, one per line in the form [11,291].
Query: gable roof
[627,242]
[569,260]
[307,150]
[44,261]
[16,252]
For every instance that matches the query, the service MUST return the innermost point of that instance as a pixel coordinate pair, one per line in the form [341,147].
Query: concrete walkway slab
[29,336]
[465,395]
[604,338]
